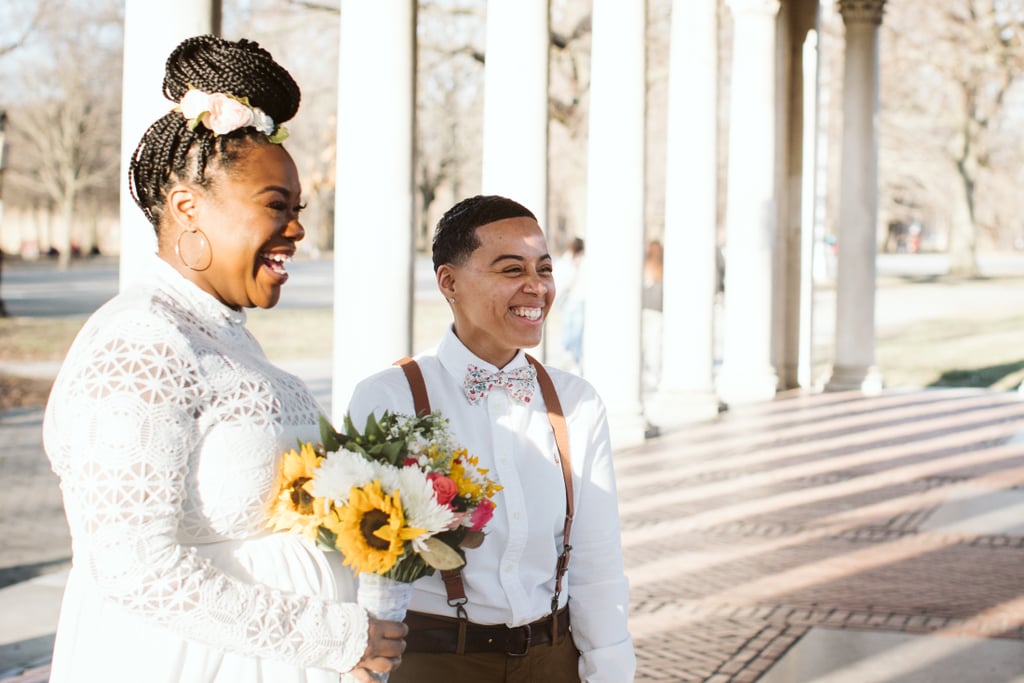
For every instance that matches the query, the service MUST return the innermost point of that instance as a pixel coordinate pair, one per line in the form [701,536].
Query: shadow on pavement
[24,572]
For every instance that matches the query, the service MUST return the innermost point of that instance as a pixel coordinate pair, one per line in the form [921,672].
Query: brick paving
[743,533]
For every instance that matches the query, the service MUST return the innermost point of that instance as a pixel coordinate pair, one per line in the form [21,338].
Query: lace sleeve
[120,426]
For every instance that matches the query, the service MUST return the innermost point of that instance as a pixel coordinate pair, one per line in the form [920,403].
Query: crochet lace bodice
[165,426]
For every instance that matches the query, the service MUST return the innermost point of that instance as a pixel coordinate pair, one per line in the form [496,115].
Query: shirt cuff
[612,664]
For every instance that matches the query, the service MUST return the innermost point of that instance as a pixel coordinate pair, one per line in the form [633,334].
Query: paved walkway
[832,538]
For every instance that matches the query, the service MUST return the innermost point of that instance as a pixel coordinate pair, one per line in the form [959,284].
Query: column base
[627,430]
[669,410]
[738,387]
[855,378]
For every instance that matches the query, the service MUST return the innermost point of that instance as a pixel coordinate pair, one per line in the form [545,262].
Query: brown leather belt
[431,633]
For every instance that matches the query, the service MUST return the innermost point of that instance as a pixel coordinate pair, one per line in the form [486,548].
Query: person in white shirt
[511,620]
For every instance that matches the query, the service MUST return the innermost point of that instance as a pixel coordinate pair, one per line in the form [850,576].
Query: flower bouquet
[400,500]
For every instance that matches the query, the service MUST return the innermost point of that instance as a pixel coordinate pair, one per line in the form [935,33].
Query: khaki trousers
[542,664]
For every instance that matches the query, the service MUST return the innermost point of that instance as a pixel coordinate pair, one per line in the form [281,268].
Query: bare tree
[68,132]
[64,131]
[568,110]
[449,106]
[19,21]
[949,72]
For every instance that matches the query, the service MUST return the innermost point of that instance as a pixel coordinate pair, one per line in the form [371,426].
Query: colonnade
[375,193]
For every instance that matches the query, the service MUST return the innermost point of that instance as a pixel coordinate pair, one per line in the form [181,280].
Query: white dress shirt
[510,579]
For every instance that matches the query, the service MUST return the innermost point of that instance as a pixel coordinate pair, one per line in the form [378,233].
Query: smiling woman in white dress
[167,421]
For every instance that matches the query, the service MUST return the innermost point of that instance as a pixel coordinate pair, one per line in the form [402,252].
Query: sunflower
[293,507]
[371,529]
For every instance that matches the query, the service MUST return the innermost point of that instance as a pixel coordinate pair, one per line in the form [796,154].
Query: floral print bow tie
[518,383]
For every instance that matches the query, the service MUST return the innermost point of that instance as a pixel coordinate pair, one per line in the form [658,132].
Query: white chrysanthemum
[389,479]
[422,510]
[339,472]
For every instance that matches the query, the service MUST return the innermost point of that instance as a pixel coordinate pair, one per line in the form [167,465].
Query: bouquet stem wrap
[383,598]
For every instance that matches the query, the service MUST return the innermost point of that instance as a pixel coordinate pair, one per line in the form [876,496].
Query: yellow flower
[293,507]
[473,485]
[371,529]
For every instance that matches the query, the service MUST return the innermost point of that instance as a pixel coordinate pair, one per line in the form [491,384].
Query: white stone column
[152,28]
[686,389]
[615,214]
[373,220]
[808,204]
[854,366]
[747,374]
[515,142]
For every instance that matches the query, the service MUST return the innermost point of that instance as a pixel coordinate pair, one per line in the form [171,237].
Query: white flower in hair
[262,121]
[223,113]
[194,104]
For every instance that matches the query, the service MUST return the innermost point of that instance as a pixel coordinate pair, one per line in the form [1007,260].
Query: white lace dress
[165,426]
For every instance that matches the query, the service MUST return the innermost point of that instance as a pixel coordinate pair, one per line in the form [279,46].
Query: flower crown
[223,113]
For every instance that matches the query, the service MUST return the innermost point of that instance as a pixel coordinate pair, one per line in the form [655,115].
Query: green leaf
[473,539]
[326,539]
[440,555]
[392,452]
[279,136]
[455,539]
[328,436]
[373,432]
[350,428]
[409,568]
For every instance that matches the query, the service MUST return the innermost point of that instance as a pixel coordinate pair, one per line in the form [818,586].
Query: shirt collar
[455,357]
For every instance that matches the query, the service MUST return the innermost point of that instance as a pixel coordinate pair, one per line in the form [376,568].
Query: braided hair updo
[170,152]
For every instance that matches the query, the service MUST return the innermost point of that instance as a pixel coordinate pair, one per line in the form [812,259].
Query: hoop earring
[197,264]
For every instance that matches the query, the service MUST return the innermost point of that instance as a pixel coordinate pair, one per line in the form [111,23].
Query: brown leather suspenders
[421,404]
[420,400]
[557,419]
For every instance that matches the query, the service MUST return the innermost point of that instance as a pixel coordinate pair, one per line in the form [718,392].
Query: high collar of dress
[196,299]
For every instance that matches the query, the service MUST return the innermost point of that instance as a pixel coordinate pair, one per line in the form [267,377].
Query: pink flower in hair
[227,114]
[224,113]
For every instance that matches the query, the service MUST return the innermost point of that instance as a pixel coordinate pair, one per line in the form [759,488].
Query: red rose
[481,515]
[445,489]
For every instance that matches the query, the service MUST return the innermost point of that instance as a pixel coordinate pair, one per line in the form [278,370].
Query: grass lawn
[955,353]
[985,349]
